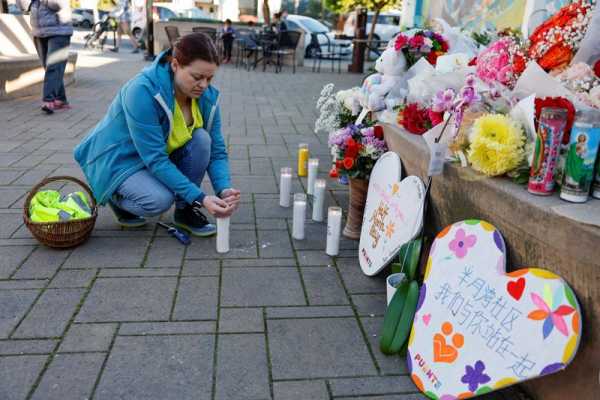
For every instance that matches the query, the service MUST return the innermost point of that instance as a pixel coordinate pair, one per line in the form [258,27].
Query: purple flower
[470,81]
[442,101]
[474,376]
[462,243]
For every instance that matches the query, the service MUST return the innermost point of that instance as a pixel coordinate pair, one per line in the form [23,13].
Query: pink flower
[401,41]
[416,41]
[462,243]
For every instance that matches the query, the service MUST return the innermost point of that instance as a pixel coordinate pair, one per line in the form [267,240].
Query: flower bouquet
[554,43]
[423,43]
[355,150]
[502,62]
[417,119]
[336,110]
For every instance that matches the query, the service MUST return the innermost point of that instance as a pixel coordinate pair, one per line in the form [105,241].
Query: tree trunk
[266,12]
[372,30]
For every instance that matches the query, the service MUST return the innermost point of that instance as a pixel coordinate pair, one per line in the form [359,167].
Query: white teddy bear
[390,67]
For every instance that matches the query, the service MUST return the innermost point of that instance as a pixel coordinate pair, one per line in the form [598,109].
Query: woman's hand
[217,207]
[232,197]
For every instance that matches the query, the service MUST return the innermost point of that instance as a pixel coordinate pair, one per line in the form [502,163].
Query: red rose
[444,45]
[473,62]
[433,56]
[435,117]
[559,102]
[415,119]
[378,130]
[416,41]
[348,162]
[333,172]
[597,68]
[352,148]
[339,164]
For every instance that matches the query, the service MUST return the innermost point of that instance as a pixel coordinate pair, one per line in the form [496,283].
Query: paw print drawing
[446,352]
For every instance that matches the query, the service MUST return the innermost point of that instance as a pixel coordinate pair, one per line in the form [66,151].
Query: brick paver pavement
[132,314]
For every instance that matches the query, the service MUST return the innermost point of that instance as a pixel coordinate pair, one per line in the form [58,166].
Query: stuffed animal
[390,67]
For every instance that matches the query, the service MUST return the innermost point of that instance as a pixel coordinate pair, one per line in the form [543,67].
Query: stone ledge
[535,236]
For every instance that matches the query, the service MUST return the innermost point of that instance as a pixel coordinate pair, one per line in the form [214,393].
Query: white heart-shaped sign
[393,214]
[478,328]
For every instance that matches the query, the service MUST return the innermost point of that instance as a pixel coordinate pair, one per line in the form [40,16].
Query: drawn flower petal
[538,315]
[560,324]
[548,326]
[537,300]
[564,310]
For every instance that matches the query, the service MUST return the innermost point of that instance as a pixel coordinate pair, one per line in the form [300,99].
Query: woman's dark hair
[195,46]
[228,21]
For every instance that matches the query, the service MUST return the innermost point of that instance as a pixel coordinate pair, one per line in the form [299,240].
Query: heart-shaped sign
[485,328]
[393,214]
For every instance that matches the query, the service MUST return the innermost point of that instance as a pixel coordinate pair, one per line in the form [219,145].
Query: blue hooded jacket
[133,135]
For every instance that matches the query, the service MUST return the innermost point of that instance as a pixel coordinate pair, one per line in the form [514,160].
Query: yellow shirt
[182,133]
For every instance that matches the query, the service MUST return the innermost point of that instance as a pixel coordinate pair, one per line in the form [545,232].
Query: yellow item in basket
[50,206]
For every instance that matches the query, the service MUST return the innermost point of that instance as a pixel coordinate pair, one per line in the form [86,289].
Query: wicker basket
[61,234]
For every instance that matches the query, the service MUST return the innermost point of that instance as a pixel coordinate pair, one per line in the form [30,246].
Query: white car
[388,25]
[321,32]
[164,12]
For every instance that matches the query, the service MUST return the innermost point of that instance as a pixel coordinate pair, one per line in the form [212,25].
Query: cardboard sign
[478,328]
[393,214]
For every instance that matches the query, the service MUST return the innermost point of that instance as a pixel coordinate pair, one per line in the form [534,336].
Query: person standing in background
[228,36]
[52,30]
[123,15]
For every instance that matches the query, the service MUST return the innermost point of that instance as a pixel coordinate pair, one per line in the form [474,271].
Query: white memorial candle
[319,199]
[223,235]
[285,186]
[299,216]
[334,227]
[313,171]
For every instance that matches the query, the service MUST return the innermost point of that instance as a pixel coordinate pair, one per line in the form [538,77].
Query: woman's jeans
[54,54]
[143,195]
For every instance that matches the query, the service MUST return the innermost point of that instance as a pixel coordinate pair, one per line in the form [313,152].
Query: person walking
[228,37]
[160,136]
[123,15]
[52,30]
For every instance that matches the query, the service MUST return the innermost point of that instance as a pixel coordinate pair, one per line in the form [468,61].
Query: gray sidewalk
[134,315]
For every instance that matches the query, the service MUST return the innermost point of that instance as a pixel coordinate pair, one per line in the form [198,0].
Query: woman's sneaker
[125,218]
[193,221]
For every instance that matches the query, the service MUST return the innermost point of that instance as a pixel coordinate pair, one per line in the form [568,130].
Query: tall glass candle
[285,186]
[299,216]
[223,235]
[319,199]
[313,171]
[303,155]
[334,227]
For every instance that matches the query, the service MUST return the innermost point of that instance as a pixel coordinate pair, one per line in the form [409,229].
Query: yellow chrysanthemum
[496,144]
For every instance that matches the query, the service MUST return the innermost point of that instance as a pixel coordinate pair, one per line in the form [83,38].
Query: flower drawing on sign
[377,222]
[474,376]
[462,243]
[390,229]
[552,319]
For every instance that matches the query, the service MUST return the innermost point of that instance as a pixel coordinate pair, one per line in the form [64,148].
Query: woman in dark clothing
[228,36]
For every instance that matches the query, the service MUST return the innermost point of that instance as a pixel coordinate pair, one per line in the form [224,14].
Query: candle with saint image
[303,155]
[299,216]
[223,235]
[285,186]
[319,199]
[334,227]
[313,170]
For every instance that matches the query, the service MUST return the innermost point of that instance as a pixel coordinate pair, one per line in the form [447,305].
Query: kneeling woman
[160,135]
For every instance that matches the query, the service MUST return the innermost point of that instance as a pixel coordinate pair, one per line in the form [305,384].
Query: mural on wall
[478,14]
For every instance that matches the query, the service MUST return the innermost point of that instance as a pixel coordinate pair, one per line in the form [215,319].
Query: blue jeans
[54,54]
[143,195]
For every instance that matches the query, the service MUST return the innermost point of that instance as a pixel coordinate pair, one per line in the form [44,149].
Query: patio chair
[287,44]
[172,34]
[326,50]
[211,32]
[246,46]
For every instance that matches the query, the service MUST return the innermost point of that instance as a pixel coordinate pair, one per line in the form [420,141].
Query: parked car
[388,25]
[83,17]
[311,26]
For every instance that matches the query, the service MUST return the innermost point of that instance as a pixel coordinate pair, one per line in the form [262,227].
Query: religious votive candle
[285,186]
[299,216]
[303,155]
[223,235]
[334,227]
[319,199]
[313,171]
